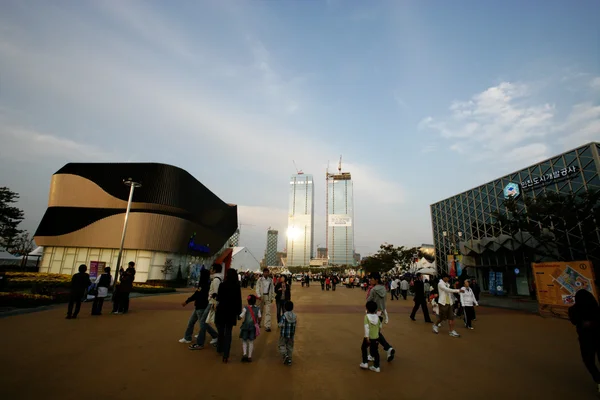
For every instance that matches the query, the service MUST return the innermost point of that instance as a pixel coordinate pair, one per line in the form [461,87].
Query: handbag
[256,326]
[210,319]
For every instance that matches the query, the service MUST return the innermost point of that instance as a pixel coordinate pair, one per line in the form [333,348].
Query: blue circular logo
[512,190]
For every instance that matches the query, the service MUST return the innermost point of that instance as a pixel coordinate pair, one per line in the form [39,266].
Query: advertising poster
[557,282]
[96,269]
[492,283]
[451,266]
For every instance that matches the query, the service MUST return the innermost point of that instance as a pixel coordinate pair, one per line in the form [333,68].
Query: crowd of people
[83,288]
[218,301]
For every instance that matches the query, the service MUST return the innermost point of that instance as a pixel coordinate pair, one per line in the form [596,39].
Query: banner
[340,220]
[492,283]
[557,282]
[96,269]
[451,266]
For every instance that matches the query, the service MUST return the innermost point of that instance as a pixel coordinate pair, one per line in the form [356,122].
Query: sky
[423,99]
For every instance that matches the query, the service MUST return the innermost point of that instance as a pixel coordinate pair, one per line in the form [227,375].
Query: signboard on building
[557,282]
[340,220]
[549,178]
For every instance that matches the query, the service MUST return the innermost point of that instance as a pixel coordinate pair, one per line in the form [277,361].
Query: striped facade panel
[87,203]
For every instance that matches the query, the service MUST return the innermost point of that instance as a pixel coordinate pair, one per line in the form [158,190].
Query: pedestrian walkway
[509,355]
[520,303]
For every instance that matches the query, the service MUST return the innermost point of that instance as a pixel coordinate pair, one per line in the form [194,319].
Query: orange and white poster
[557,282]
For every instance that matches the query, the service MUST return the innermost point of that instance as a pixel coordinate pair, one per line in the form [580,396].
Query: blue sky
[424,99]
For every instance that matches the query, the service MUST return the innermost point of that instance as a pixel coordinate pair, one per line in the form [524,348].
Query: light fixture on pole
[132,185]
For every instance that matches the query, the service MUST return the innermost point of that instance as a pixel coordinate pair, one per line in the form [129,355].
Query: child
[371,338]
[251,316]
[434,304]
[468,301]
[287,326]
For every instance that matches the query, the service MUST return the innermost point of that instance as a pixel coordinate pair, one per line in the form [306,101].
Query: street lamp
[132,185]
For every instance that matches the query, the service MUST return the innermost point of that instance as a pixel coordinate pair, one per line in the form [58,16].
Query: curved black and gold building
[87,203]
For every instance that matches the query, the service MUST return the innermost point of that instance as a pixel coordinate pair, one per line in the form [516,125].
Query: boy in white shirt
[468,301]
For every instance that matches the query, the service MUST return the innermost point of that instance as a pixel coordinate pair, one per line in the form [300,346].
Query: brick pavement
[510,355]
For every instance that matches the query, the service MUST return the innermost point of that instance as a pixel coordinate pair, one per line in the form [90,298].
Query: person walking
[250,327]
[200,299]
[287,332]
[404,286]
[215,283]
[420,299]
[121,303]
[265,292]
[372,326]
[394,284]
[103,282]
[585,315]
[468,302]
[79,283]
[378,294]
[229,307]
[282,294]
[445,301]
[322,279]
[477,292]
[427,287]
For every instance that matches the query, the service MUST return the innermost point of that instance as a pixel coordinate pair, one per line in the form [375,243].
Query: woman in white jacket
[468,302]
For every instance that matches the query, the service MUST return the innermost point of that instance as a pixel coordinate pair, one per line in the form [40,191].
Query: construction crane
[298,171]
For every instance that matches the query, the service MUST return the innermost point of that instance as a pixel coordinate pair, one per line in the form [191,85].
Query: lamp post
[132,185]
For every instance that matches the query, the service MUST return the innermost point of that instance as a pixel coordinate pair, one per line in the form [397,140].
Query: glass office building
[466,233]
[301,220]
[340,219]
[271,251]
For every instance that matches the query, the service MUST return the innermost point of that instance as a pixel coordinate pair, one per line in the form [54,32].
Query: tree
[22,244]
[10,218]
[553,226]
[167,268]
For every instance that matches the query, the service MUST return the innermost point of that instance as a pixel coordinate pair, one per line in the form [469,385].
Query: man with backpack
[103,282]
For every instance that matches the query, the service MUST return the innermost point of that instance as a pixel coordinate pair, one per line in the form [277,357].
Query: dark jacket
[200,297]
[229,305]
[79,282]
[419,288]
[126,284]
[585,316]
[279,295]
[476,290]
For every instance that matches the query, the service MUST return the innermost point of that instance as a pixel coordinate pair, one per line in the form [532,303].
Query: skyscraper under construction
[340,218]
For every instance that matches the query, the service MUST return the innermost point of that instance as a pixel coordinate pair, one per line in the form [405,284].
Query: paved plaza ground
[509,355]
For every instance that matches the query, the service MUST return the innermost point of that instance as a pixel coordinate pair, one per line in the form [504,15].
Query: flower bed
[24,300]
[141,288]
[25,280]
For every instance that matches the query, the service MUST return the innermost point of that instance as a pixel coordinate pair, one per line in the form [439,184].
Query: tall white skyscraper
[301,220]
[340,219]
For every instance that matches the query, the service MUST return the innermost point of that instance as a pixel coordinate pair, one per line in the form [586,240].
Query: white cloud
[161,106]
[595,83]
[582,125]
[18,142]
[508,123]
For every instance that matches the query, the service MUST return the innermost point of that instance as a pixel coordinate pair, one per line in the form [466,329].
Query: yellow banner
[557,282]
